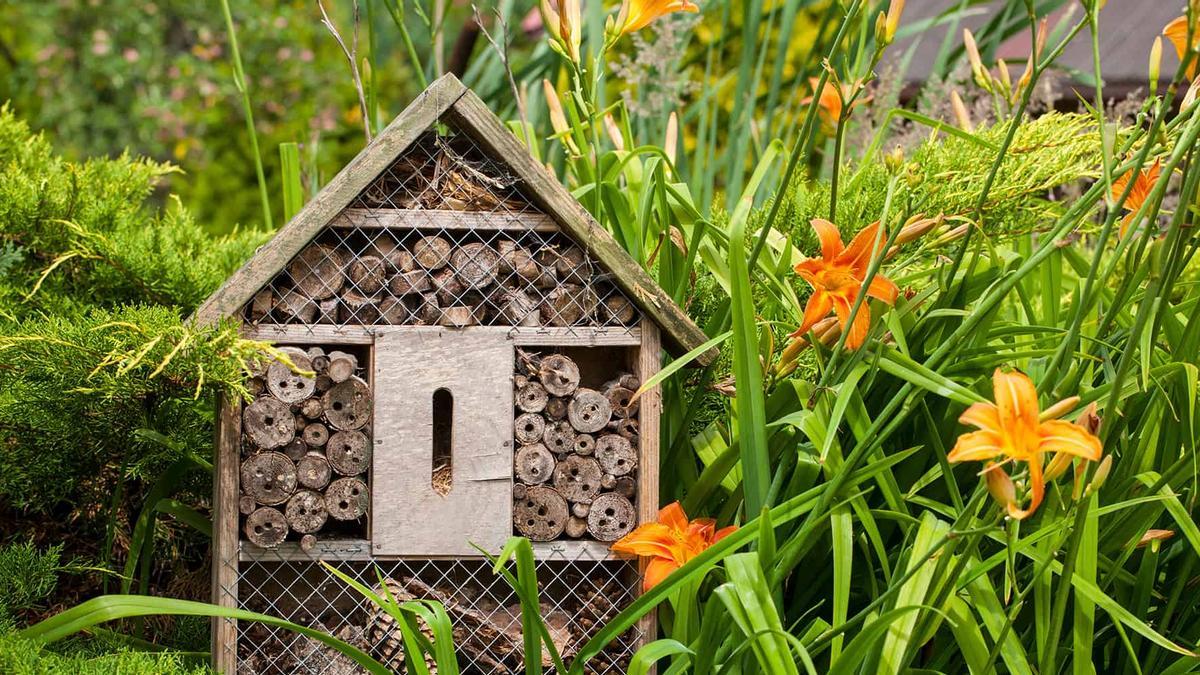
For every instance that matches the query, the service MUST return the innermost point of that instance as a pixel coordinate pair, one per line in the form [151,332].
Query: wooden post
[225,531]
[649,360]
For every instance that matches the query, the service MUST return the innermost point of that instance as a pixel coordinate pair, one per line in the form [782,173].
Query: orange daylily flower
[1177,32]
[637,14]
[837,277]
[670,542]
[1142,185]
[1012,428]
[831,100]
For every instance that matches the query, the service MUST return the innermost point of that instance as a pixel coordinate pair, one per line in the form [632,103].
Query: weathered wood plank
[471,116]
[444,219]
[649,361]
[419,116]
[347,550]
[547,336]
[316,334]
[576,337]
[225,530]
[476,368]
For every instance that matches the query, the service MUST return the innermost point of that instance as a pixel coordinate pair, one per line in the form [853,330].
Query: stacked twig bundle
[577,452]
[307,447]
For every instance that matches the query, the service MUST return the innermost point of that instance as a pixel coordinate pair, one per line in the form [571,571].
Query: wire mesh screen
[443,237]
[578,597]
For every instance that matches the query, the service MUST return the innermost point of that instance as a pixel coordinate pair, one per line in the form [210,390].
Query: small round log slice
[426,309]
[533,464]
[312,471]
[621,401]
[585,444]
[367,274]
[541,515]
[616,455]
[531,398]
[261,304]
[556,408]
[287,385]
[316,434]
[576,527]
[311,408]
[246,505]
[317,271]
[528,428]
[296,450]
[578,478]
[625,486]
[519,490]
[269,477]
[516,260]
[612,517]
[358,308]
[298,307]
[518,308]
[431,252]
[568,305]
[416,281]
[589,411]
[559,437]
[559,374]
[305,512]
[581,509]
[448,289]
[347,499]
[572,265]
[627,427]
[459,317]
[308,542]
[349,452]
[341,366]
[394,312]
[475,264]
[348,404]
[266,527]
[393,254]
[618,309]
[269,423]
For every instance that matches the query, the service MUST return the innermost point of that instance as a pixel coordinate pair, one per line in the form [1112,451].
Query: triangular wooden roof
[448,100]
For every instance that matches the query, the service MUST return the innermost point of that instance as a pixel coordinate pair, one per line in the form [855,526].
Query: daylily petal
[1016,397]
[1069,438]
[830,238]
[986,416]
[882,288]
[818,307]
[649,539]
[723,532]
[856,335]
[977,446]
[1125,223]
[808,269]
[672,516]
[862,248]
[1037,488]
[657,570]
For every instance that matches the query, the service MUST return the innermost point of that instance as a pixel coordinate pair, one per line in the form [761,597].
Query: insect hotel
[464,342]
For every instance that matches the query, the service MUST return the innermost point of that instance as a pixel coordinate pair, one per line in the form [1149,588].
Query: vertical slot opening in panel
[443,429]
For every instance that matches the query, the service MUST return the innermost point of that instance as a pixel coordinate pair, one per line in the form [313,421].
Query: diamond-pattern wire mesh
[443,237]
[578,597]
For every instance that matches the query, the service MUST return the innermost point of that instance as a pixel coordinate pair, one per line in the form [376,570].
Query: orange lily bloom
[1176,32]
[670,542]
[637,14]
[837,277]
[1012,428]
[831,100]
[1142,185]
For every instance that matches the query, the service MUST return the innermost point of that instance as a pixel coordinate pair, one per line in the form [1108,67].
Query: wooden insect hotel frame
[464,342]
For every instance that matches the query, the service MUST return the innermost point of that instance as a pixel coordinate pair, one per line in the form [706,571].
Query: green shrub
[22,657]
[27,575]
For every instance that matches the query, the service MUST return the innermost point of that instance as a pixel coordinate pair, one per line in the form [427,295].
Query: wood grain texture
[476,367]
[419,116]
[444,219]
[649,361]
[471,116]
[225,530]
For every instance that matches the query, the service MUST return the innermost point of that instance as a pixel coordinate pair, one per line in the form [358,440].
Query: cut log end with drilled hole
[348,404]
[313,471]
[475,264]
[585,444]
[266,527]
[318,271]
[588,411]
[268,477]
[287,384]
[578,478]
[559,374]
[349,452]
[347,499]
[556,408]
[616,455]
[541,515]
[367,274]
[316,435]
[559,437]
[528,428]
[611,517]
[532,398]
[432,252]
[533,464]
[341,366]
[269,423]
[306,512]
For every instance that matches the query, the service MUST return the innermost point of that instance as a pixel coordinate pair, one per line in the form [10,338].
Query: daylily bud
[913,177]
[881,38]
[915,228]
[614,132]
[960,112]
[550,19]
[1089,419]
[895,9]
[1155,63]
[1000,486]
[672,137]
[725,387]
[954,234]
[1192,94]
[1005,80]
[1154,538]
[981,75]
[570,25]
[558,119]
[1101,475]
[1059,409]
[894,160]
[1058,466]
